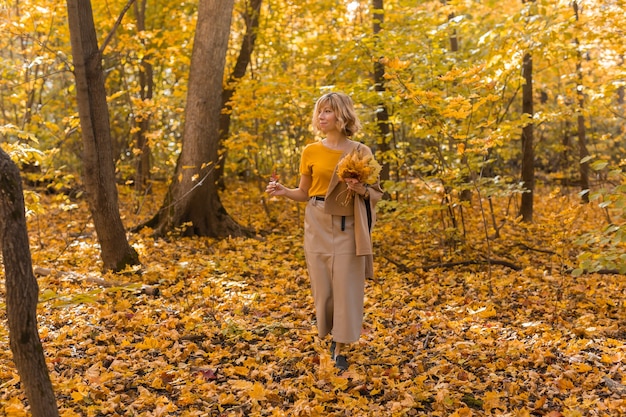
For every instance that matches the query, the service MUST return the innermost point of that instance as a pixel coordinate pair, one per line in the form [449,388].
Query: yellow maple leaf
[240,384]
[77,396]
[491,400]
[157,383]
[582,367]
[340,382]
[227,398]
[462,412]
[152,343]
[241,370]
[564,384]
[257,392]
[14,407]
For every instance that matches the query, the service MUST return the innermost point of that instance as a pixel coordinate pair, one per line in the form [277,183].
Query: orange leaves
[457,108]
[394,63]
[150,343]
[15,407]
[362,168]
[484,312]
[492,400]
[233,330]
[247,389]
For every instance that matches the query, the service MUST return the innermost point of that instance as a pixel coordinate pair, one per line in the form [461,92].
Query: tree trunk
[98,165]
[382,115]
[251,16]
[192,199]
[583,153]
[22,294]
[528,151]
[142,121]
[528,137]
[466,192]
[621,90]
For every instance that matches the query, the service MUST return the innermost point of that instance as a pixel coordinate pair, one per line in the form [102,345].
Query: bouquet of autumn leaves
[356,167]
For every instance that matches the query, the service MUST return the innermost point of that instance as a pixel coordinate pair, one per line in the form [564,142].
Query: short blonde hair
[347,119]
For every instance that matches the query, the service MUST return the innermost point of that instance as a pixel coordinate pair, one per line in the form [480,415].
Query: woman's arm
[296,194]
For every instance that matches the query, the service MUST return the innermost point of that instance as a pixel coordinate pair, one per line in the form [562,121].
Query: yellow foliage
[14,407]
[356,165]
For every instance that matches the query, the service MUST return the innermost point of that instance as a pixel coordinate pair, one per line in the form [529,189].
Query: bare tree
[98,161]
[192,199]
[22,294]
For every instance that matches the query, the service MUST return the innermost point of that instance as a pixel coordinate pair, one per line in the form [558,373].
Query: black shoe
[341,362]
[332,349]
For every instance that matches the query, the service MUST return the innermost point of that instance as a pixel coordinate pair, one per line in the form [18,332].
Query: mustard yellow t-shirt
[319,162]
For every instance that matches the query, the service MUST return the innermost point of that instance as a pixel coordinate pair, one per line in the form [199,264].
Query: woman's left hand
[356,186]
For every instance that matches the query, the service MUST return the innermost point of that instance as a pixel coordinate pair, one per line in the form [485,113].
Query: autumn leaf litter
[232,330]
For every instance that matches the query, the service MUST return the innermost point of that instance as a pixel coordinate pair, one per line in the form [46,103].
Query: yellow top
[319,162]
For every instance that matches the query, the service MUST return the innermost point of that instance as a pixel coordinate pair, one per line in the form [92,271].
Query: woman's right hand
[274,188]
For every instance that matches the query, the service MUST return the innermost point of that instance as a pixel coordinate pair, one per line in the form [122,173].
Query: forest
[147,273]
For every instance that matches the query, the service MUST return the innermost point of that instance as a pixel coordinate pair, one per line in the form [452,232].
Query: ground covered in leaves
[231,331]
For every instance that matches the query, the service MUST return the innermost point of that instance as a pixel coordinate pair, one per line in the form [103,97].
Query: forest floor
[231,331]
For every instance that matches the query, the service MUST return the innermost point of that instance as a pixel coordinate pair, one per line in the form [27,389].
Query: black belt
[319,198]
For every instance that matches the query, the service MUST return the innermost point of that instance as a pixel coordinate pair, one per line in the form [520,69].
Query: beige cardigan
[334,198]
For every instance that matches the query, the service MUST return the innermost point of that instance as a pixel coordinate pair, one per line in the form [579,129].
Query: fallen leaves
[232,332]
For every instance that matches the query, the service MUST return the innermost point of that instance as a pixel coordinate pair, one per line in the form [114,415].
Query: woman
[337,239]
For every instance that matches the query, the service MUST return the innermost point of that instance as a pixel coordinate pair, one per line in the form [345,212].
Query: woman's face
[327,119]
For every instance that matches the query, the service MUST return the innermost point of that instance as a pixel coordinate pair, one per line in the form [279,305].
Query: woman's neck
[336,140]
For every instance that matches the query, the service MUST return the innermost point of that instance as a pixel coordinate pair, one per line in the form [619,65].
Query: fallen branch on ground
[473,262]
[144,289]
[403,268]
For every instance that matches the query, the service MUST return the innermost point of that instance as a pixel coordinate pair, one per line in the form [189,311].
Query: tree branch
[118,22]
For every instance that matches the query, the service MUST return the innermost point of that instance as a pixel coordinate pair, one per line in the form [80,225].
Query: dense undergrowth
[456,324]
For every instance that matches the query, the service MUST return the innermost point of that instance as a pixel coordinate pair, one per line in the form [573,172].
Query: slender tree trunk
[382,115]
[192,199]
[98,165]
[251,16]
[621,89]
[528,151]
[466,192]
[528,137]
[142,122]
[564,156]
[583,153]
[22,294]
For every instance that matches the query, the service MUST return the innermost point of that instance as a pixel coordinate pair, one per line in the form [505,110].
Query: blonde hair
[347,120]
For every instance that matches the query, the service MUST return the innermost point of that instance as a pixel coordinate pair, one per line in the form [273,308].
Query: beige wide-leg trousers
[337,274]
